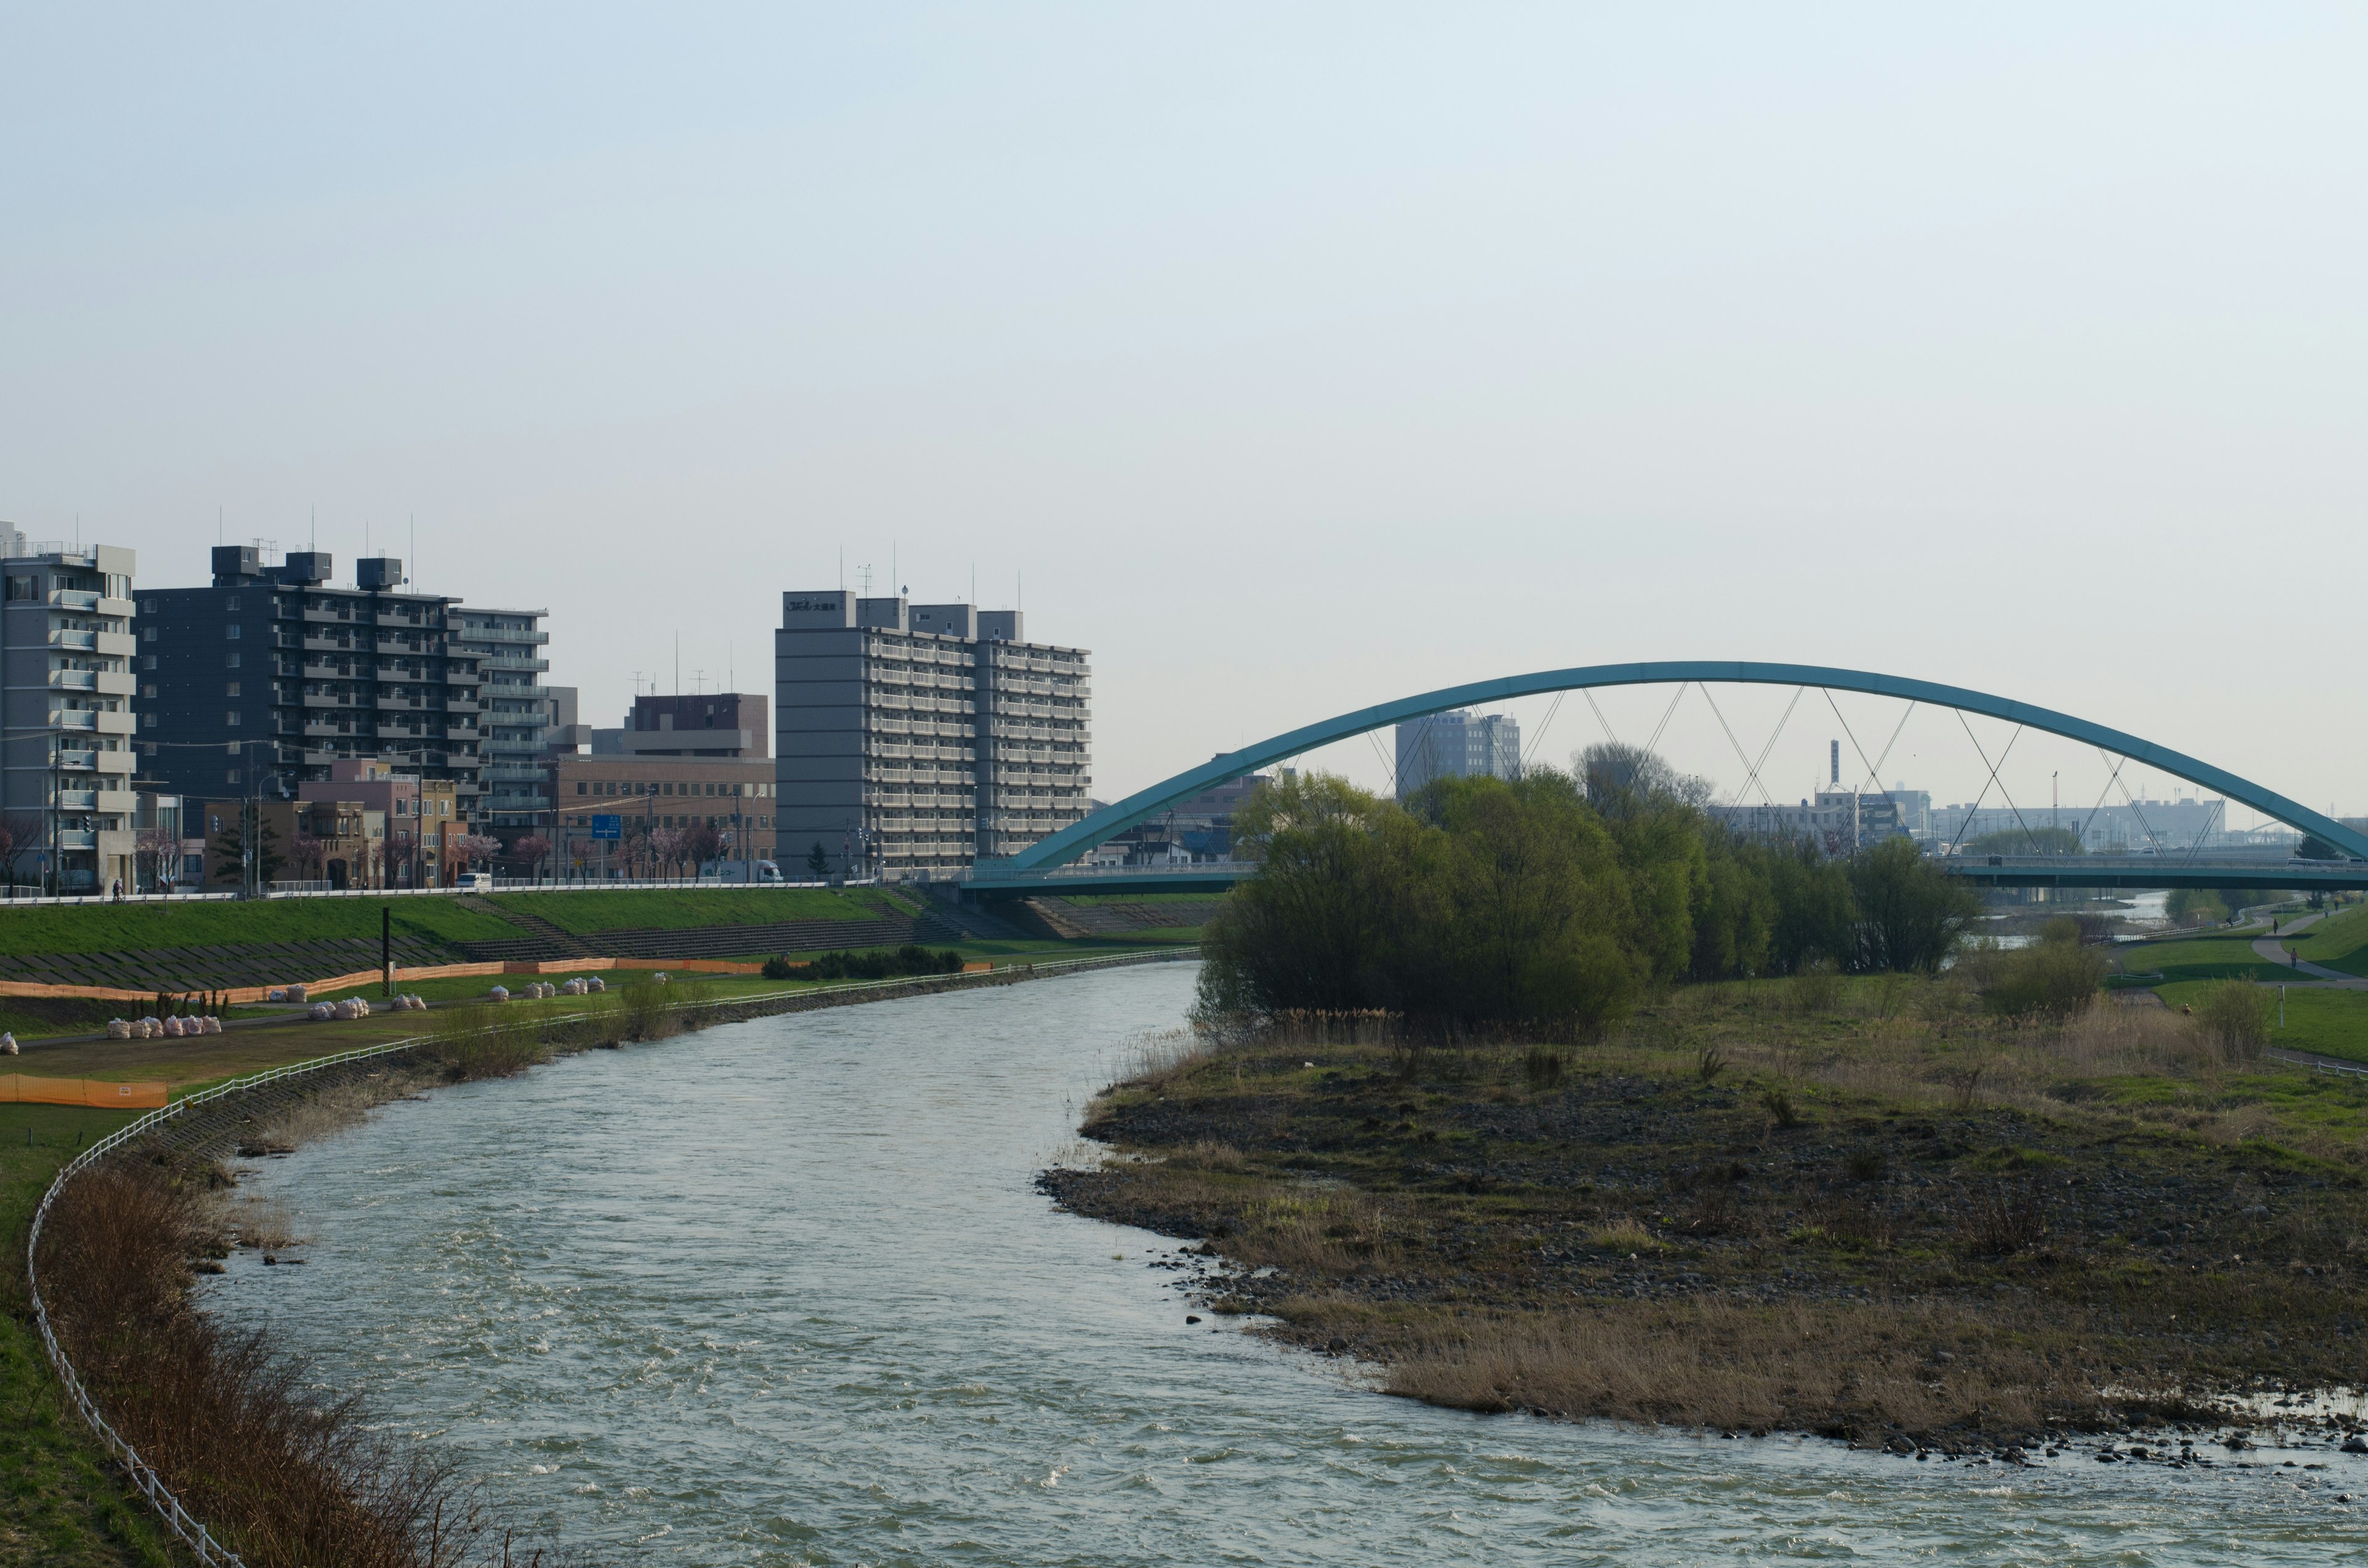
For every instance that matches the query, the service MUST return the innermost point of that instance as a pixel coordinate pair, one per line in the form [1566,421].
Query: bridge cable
[1389,763]
[2110,781]
[1798,692]
[2029,837]
[1875,769]
[1664,724]
[1740,755]
[2136,810]
[1598,716]
[2201,834]
[1540,738]
[1986,786]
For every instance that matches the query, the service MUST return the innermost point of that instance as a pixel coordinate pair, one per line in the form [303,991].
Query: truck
[757,872]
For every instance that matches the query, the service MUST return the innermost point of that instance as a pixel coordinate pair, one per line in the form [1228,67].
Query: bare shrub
[2237,1016]
[1779,1101]
[1709,1063]
[1317,1230]
[2050,980]
[283,1477]
[2002,1218]
[1816,987]
[1543,1065]
[1155,1056]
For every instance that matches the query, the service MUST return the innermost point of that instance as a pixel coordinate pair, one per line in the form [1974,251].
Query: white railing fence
[184,1524]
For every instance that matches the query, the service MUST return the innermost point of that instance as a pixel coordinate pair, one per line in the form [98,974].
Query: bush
[2235,1014]
[2051,980]
[907,961]
[1815,988]
[779,968]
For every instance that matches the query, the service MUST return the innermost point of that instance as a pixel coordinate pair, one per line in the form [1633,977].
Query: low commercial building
[258,845]
[66,719]
[654,799]
[423,823]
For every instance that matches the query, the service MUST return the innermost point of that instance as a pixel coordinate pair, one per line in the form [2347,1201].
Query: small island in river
[1445,1112]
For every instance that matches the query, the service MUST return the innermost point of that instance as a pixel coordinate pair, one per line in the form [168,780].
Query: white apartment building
[914,740]
[65,712]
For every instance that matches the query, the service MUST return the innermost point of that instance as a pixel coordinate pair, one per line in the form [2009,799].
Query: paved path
[2273,950]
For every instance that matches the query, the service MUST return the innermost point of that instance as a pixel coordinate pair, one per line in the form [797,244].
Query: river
[783,1293]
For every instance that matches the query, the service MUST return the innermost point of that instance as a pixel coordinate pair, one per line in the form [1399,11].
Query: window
[233,689]
[231,603]
[148,632]
[147,607]
[230,659]
[148,721]
[579,787]
[229,778]
[149,691]
[233,721]
[230,631]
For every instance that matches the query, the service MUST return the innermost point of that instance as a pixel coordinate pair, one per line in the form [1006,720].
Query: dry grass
[283,1478]
[1715,1364]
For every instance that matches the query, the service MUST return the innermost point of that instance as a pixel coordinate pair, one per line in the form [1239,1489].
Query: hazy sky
[1296,360]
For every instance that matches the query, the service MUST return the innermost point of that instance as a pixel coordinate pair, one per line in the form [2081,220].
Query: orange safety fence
[21,1088]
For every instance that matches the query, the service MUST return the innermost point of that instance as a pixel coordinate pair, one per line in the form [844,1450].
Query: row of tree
[1552,903]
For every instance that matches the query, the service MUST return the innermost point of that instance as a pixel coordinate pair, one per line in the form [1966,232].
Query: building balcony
[76,800]
[75,598]
[512,661]
[513,802]
[68,839]
[79,642]
[74,681]
[78,761]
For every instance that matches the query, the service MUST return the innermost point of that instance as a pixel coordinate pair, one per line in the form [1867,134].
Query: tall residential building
[66,719]
[272,674]
[1459,745]
[508,645]
[917,740]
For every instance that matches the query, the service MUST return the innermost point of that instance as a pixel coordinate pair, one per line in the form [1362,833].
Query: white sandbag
[323,1011]
[498,994]
[597,983]
[119,1028]
[659,978]
[214,1024]
[172,1028]
[8,1043]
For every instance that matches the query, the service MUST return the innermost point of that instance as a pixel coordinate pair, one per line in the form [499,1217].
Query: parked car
[473,882]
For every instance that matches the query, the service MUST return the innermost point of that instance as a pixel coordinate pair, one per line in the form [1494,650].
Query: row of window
[670,786]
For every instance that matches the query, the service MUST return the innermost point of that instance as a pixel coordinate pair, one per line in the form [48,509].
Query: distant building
[270,676]
[260,844]
[715,724]
[1839,821]
[1459,745]
[508,645]
[423,821]
[650,795]
[917,740]
[66,721]
[1193,831]
[567,733]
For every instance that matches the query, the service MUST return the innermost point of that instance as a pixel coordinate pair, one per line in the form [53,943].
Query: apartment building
[271,675]
[66,719]
[914,740]
[1459,745]
[515,727]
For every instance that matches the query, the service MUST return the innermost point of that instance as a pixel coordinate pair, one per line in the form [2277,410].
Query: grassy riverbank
[1870,1212]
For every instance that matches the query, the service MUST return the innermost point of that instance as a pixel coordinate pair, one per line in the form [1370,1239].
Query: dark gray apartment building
[264,678]
[913,741]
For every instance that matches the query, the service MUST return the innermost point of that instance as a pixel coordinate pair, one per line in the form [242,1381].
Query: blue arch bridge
[1048,866]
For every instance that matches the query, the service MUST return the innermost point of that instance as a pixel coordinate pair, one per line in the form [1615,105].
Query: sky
[1291,359]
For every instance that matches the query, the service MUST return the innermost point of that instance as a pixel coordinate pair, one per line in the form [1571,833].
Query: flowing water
[782,1292]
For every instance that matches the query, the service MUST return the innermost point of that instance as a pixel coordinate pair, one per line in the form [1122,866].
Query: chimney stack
[1836,762]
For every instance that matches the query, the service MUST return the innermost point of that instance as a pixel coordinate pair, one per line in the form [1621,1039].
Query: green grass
[2339,941]
[62,1509]
[2198,957]
[101,928]
[641,909]
[2332,1023]
[1093,898]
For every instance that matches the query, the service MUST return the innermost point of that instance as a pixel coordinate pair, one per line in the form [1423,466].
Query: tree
[476,846]
[527,851]
[701,843]
[22,832]
[230,852]
[397,851]
[818,861]
[1910,912]
[2024,841]
[307,855]
[161,849]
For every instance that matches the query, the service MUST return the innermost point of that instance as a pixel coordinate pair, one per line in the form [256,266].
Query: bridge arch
[1112,820]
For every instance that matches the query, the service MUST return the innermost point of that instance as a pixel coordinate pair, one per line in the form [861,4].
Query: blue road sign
[608,828]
